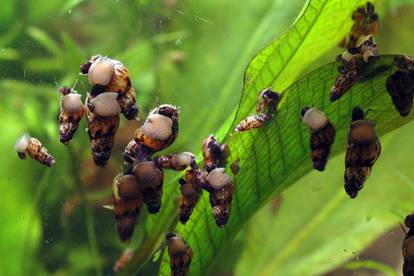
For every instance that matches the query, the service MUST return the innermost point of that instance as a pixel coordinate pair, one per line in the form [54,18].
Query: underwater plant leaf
[275,156]
[320,28]
[372,265]
[215,96]
[167,217]
[316,227]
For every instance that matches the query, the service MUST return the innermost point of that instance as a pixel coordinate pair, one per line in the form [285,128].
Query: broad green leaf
[372,265]
[320,28]
[274,157]
[317,11]
[316,226]
[217,54]
[182,88]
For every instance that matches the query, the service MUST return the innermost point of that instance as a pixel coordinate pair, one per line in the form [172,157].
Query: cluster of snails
[141,181]
[361,48]
[363,145]
[142,178]
[111,94]
[213,179]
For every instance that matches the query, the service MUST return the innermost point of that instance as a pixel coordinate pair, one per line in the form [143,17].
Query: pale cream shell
[347,56]
[106,104]
[185,158]
[362,40]
[22,143]
[158,127]
[72,102]
[218,178]
[101,71]
[315,118]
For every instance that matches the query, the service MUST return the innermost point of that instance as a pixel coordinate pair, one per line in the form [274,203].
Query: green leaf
[372,265]
[270,165]
[222,56]
[274,157]
[327,231]
[308,20]
[178,83]
[320,28]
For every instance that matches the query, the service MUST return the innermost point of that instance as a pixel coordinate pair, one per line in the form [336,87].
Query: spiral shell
[158,127]
[315,118]
[105,104]
[218,178]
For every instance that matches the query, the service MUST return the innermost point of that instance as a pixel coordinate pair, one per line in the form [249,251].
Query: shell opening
[72,102]
[315,118]
[106,104]
[22,143]
[158,127]
[101,71]
[218,178]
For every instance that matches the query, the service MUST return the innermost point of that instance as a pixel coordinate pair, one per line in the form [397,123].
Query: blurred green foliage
[188,53]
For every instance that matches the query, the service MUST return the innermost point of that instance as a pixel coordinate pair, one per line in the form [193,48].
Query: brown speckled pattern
[320,143]
[68,124]
[38,152]
[220,201]
[101,131]
[359,159]
[180,256]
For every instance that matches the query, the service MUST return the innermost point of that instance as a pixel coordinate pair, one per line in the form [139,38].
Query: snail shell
[218,178]
[22,143]
[315,118]
[101,71]
[158,127]
[185,158]
[72,102]
[106,104]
